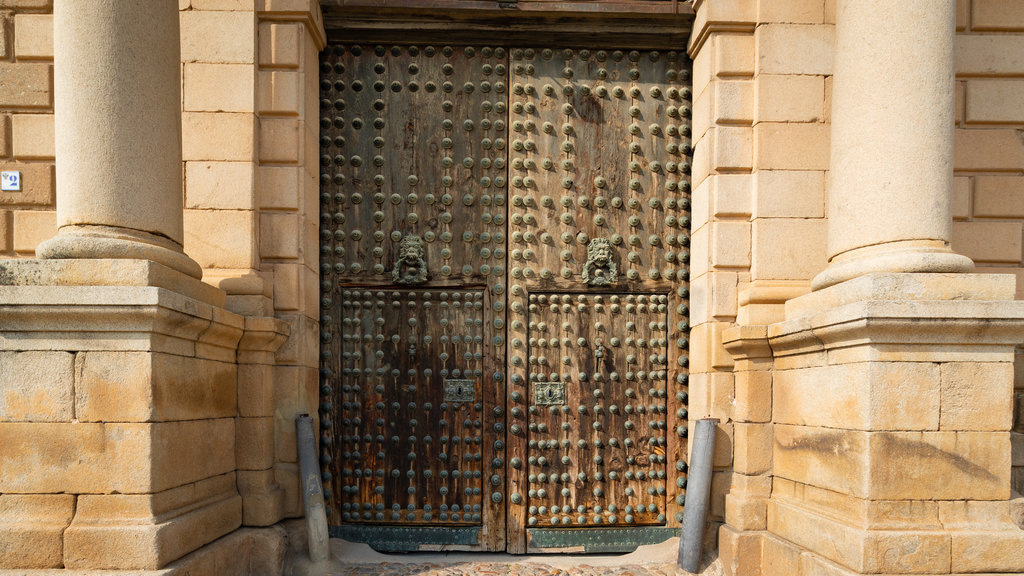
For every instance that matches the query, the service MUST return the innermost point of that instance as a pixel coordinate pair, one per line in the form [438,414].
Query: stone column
[892,140]
[118,132]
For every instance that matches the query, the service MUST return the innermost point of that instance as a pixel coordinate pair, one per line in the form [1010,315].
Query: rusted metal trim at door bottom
[407,538]
[599,540]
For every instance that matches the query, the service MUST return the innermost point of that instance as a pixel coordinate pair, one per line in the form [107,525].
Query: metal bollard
[698,493]
[312,491]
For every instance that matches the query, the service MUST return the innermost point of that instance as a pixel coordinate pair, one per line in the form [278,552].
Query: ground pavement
[359,560]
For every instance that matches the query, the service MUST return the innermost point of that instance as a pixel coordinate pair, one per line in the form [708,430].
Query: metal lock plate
[456,390]
[549,393]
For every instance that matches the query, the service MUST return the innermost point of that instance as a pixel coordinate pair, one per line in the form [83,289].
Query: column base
[895,257]
[107,242]
[891,411]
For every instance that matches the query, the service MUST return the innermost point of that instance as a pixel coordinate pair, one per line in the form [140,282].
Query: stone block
[795,49]
[99,539]
[148,387]
[940,465]
[254,443]
[731,244]
[32,227]
[280,44]
[221,238]
[794,12]
[31,526]
[219,87]
[217,136]
[732,148]
[262,497]
[753,446]
[976,396]
[961,204]
[998,196]
[989,101]
[218,37]
[32,135]
[779,557]
[219,185]
[734,102]
[33,36]
[740,551]
[989,55]
[5,231]
[279,235]
[127,458]
[860,396]
[702,158]
[789,194]
[753,396]
[864,551]
[721,392]
[287,288]
[746,513]
[238,5]
[37,186]
[5,136]
[280,140]
[988,551]
[184,452]
[280,92]
[988,241]
[255,390]
[996,15]
[278,187]
[731,195]
[75,458]
[788,98]
[702,72]
[776,256]
[4,35]
[734,55]
[974,514]
[286,474]
[791,146]
[37,386]
[26,85]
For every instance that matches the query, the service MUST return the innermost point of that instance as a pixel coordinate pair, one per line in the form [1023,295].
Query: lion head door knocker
[411,267]
[600,269]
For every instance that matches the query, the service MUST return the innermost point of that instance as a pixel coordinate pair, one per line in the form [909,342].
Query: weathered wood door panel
[598,275]
[425,153]
[413,176]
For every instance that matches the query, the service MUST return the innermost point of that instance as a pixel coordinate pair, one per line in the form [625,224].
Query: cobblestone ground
[508,569]
[499,569]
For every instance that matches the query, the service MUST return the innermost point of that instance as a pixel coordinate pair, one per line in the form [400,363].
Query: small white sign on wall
[10,181]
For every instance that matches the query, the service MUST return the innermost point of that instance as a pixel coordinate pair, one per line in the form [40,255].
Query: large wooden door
[448,420]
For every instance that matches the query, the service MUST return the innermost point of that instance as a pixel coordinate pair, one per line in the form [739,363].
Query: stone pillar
[891,381]
[118,133]
[892,140]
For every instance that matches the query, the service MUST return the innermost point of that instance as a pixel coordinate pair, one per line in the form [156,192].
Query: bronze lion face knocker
[411,267]
[600,269]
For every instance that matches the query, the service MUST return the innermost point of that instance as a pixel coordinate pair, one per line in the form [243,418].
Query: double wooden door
[504,274]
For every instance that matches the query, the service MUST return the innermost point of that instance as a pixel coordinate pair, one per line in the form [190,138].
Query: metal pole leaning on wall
[698,493]
[312,491]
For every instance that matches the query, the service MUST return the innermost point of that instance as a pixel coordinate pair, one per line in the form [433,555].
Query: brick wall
[26,124]
[988,202]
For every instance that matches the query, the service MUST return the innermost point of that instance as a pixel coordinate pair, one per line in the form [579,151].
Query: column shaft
[118,132]
[892,140]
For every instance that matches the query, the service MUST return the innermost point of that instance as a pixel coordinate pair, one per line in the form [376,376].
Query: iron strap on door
[414,269]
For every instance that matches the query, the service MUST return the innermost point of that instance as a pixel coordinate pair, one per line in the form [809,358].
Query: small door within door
[449,421]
